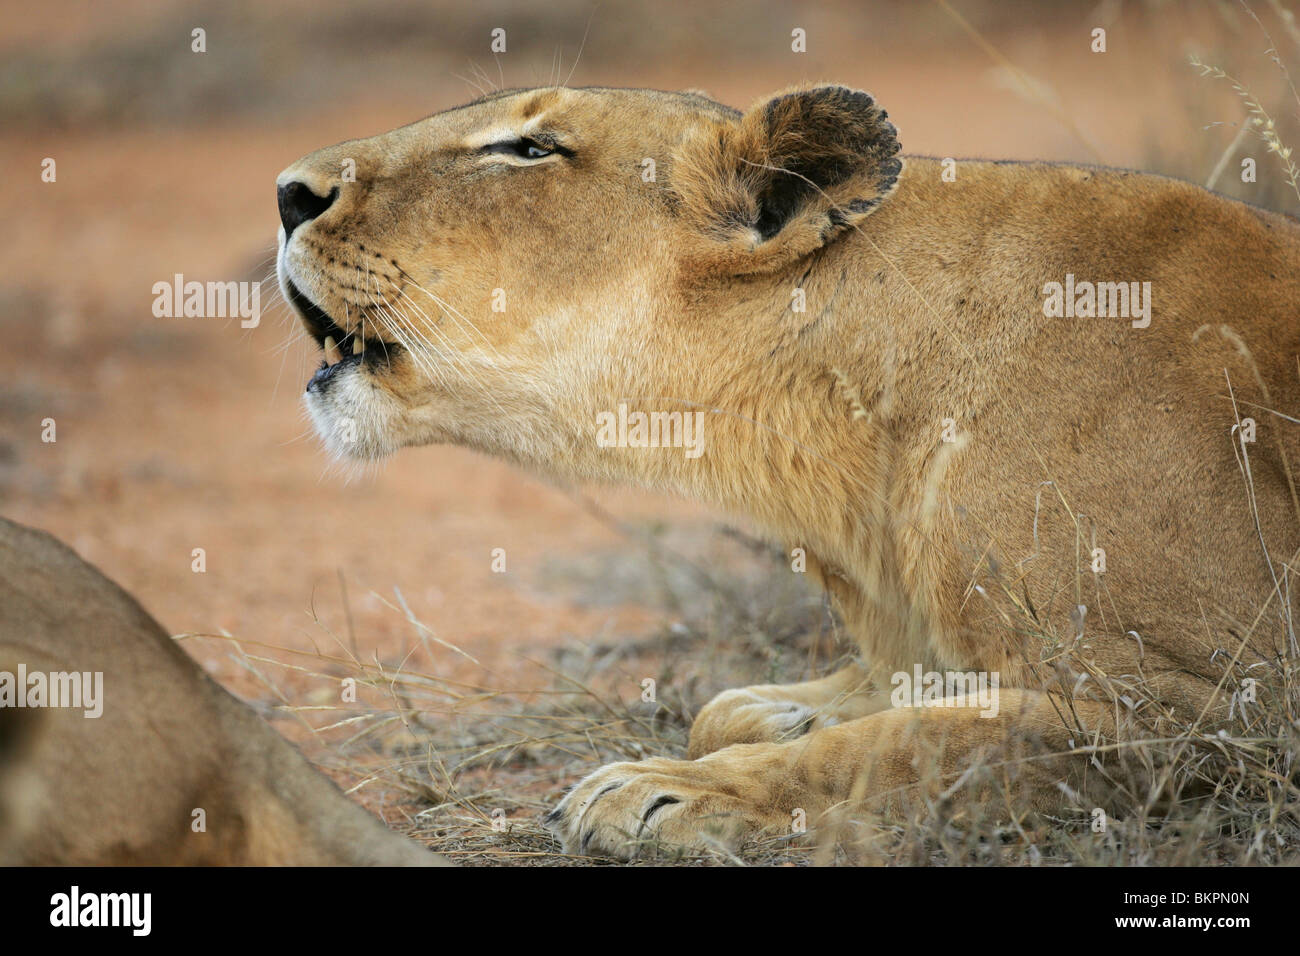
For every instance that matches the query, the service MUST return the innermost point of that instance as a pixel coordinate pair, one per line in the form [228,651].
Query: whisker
[446,307]
[452,357]
[468,82]
[449,313]
[581,46]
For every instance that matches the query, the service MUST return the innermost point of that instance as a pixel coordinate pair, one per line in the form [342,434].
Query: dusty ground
[176,434]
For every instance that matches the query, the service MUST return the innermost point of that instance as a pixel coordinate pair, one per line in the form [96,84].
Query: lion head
[498,273]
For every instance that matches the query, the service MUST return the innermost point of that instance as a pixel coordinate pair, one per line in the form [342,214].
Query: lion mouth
[342,348]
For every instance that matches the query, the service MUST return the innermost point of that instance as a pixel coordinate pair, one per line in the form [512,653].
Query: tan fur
[825,427]
[121,788]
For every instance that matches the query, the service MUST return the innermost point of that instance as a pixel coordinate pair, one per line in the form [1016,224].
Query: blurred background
[175,434]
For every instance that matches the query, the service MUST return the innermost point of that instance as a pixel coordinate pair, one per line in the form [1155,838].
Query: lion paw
[746,716]
[624,810]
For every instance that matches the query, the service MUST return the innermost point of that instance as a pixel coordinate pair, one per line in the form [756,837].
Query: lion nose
[298,204]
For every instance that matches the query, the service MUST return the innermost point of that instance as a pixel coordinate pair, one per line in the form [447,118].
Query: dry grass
[469,770]
[1271,116]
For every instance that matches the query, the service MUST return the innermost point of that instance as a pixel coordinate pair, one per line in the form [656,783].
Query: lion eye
[525,149]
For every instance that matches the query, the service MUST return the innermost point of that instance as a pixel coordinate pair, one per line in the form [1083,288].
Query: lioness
[117,749]
[1025,411]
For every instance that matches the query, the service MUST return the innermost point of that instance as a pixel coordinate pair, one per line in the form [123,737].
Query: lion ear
[792,174]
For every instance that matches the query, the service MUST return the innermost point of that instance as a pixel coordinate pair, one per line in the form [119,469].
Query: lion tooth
[331,355]
[356,345]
